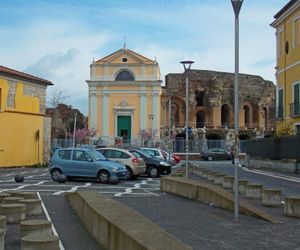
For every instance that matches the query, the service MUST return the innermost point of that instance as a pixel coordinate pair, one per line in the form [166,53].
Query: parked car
[174,158]
[154,165]
[215,154]
[159,153]
[134,164]
[84,162]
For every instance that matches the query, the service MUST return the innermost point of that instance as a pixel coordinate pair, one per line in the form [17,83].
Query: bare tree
[56,97]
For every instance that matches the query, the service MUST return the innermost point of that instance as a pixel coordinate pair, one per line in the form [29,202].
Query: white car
[159,153]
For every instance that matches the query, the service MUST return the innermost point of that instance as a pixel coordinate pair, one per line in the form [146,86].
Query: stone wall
[211,102]
[46,139]
[36,90]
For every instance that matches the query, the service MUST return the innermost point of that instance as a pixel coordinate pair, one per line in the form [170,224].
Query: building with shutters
[287,25]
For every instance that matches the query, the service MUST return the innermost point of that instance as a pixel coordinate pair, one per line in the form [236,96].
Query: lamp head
[187,65]
[237,5]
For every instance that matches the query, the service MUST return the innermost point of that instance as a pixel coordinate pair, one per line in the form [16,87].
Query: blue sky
[58,40]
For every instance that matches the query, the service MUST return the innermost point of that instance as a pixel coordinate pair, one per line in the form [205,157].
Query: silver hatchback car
[133,163]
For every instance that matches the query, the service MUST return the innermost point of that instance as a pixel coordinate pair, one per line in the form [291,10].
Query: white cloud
[61,43]
[60,52]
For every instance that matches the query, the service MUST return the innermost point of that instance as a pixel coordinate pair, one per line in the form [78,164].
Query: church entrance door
[124,128]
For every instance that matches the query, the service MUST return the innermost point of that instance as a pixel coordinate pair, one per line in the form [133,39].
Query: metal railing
[286,147]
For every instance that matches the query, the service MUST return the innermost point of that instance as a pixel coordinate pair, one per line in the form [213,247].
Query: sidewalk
[207,227]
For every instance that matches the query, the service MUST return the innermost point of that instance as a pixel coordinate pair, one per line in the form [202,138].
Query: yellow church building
[124,97]
[287,25]
[24,126]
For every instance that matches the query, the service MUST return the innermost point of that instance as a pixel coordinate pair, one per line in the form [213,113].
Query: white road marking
[73,189]
[10,180]
[6,175]
[129,190]
[48,218]
[278,176]
[23,186]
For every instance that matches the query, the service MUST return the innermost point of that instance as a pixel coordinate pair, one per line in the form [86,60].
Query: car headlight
[114,170]
[165,164]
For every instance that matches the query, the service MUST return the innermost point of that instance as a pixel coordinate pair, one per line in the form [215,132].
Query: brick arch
[247,115]
[178,111]
[226,115]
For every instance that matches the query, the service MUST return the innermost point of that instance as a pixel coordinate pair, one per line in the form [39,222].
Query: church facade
[124,97]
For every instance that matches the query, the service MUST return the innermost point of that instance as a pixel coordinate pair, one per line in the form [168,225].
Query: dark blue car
[84,162]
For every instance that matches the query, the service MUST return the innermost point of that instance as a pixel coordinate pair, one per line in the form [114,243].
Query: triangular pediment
[119,56]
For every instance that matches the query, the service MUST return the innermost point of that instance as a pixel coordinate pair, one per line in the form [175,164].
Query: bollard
[28,195]
[205,173]
[3,223]
[219,179]
[212,175]
[45,242]
[13,192]
[14,213]
[1,239]
[254,191]
[3,195]
[33,206]
[292,206]
[271,197]
[242,186]
[35,227]
[228,182]
[12,200]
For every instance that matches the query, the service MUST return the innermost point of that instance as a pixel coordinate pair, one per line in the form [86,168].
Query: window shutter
[296,99]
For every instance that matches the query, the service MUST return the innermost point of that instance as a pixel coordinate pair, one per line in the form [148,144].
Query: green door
[124,128]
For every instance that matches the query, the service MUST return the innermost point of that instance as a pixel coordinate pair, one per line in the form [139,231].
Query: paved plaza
[199,225]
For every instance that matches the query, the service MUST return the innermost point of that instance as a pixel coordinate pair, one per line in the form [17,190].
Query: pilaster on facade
[143,108]
[105,113]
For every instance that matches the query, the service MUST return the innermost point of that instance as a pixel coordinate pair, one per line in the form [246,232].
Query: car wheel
[103,176]
[152,172]
[130,173]
[210,158]
[55,173]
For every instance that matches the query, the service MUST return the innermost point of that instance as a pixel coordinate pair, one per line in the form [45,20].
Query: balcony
[295,109]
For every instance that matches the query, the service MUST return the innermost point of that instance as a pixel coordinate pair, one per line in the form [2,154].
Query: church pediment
[125,56]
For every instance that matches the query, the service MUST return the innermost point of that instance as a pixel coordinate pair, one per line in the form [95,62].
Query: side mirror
[89,159]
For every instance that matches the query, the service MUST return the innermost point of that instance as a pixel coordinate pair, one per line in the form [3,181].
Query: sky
[58,39]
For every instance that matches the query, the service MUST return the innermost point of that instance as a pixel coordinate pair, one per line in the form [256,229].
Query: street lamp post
[169,134]
[151,117]
[74,130]
[187,67]
[236,4]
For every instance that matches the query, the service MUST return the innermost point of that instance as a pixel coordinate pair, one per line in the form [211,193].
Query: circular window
[124,59]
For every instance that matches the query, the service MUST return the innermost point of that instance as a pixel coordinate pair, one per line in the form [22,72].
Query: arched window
[247,116]
[124,75]
[200,119]
[225,112]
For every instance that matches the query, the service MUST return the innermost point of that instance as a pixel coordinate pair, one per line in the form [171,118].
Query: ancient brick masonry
[211,103]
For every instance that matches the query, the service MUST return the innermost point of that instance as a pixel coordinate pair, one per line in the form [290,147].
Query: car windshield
[135,154]
[97,156]
[142,153]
